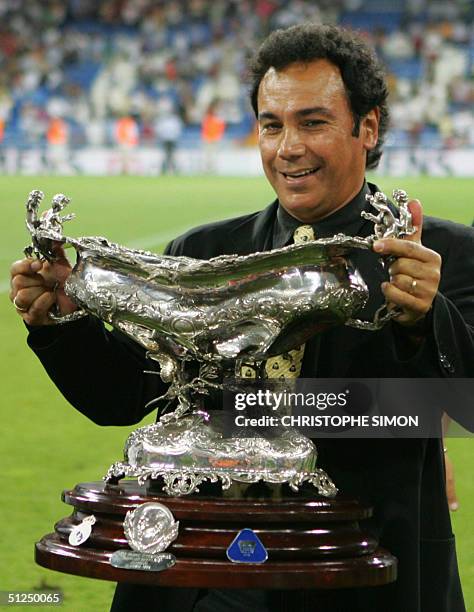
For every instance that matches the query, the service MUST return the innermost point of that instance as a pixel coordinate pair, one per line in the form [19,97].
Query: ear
[369,129]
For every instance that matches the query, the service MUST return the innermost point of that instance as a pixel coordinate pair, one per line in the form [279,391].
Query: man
[212,133]
[168,130]
[320,100]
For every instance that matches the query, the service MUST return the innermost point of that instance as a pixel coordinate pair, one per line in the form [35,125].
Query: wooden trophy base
[312,542]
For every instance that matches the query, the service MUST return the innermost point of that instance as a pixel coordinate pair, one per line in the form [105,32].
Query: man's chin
[304,211]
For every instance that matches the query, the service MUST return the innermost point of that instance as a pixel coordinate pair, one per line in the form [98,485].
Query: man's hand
[37,285]
[450,484]
[414,276]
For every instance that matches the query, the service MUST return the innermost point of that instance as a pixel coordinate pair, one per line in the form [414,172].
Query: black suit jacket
[402,479]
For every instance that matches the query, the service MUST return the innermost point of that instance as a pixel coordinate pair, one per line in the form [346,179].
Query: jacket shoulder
[446,236]
[204,240]
[455,243]
[227,237]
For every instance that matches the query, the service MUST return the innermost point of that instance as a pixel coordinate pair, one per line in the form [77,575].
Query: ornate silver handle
[73,316]
[386,225]
[382,316]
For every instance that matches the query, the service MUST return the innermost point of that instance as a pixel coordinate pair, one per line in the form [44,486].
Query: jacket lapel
[253,233]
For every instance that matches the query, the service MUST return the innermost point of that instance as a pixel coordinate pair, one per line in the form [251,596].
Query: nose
[291,144]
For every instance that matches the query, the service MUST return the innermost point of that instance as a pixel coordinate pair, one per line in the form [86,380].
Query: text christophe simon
[285,401]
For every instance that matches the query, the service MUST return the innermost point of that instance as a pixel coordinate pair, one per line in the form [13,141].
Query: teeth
[301,173]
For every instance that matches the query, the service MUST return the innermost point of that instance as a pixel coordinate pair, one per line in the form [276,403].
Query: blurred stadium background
[114,88]
[99,87]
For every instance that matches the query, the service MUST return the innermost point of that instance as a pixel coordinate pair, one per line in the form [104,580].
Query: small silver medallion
[80,533]
[133,560]
[150,528]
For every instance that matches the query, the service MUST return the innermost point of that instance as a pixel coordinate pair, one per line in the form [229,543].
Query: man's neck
[346,219]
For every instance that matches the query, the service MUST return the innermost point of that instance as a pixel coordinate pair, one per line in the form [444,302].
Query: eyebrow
[304,112]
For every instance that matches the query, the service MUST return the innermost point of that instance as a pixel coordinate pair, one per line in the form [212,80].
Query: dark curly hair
[362,73]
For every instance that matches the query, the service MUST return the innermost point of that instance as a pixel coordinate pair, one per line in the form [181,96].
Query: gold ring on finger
[413,286]
[19,308]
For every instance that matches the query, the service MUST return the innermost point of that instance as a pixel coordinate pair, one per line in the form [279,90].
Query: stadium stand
[94,61]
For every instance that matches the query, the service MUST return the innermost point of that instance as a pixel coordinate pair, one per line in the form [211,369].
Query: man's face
[309,154]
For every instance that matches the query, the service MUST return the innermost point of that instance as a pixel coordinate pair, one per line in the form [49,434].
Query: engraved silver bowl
[217,314]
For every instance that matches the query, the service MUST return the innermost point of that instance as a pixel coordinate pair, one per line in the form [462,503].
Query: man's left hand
[414,276]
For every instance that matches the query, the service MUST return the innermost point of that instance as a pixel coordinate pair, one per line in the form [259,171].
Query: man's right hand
[36,285]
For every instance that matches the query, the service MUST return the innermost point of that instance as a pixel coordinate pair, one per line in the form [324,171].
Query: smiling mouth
[300,174]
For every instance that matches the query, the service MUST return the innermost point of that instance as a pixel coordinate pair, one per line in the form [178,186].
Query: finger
[60,253]
[450,485]
[416,210]
[429,273]
[409,267]
[406,248]
[25,266]
[36,265]
[24,298]
[452,497]
[49,274]
[37,314]
[21,281]
[56,272]
[410,285]
[64,303]
[405,300]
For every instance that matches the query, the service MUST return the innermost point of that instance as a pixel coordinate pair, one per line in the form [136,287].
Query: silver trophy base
[187,451]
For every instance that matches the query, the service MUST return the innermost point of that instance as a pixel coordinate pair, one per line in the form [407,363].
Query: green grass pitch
[46,445]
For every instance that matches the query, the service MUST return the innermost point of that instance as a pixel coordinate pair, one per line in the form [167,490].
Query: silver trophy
[211,318]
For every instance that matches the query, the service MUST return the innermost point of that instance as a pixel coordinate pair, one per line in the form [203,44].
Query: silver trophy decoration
[217,315]
[149,530]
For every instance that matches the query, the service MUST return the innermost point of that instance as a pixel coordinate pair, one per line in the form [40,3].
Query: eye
[270,127]
[314,122]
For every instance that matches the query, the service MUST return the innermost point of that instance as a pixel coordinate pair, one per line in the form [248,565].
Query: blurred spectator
[2,153]
[168,129]
[57,138]
[212,131]
[59,157]
[126,136]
